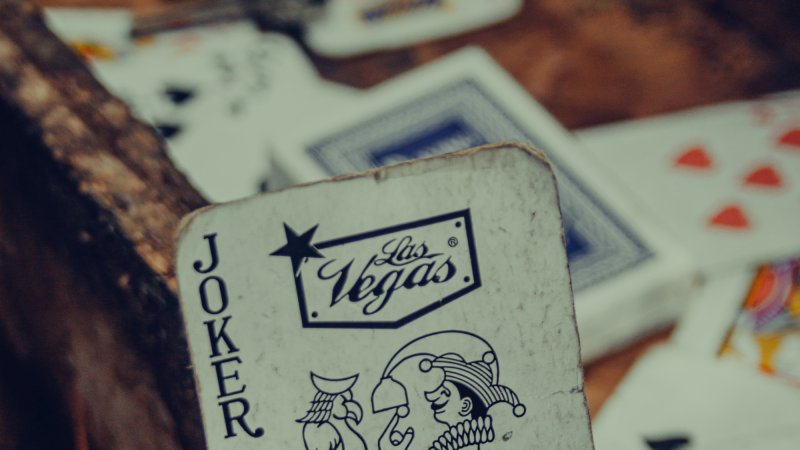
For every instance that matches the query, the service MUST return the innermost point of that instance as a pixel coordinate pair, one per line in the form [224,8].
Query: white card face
[226,154]
[624,271]
[705,323]
[722,180]
[672,400]
[349,27]
[423,306]
[219,96]
[233,60]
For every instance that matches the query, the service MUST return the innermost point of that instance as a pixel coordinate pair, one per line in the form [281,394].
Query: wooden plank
[90,202]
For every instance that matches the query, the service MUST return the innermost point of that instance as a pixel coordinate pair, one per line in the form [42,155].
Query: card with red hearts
[724,180]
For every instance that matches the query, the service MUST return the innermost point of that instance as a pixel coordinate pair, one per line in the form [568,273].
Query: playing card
[765,333]
[421,306]
[722,180]
[348,27]
[673,400]
[233,60]
[704,324]
[219,95]
[94,33]
[626,276]
[225,152]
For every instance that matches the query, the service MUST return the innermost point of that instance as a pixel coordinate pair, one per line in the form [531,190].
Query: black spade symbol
[178,95]
[670,443]
[168,130]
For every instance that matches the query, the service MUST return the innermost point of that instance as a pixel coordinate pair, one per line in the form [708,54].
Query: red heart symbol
[695,158]
[730,216]
[791,138]
[764,176]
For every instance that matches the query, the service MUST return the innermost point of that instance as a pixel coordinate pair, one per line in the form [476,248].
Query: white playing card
[723,180]
[348,27]
[219,95]
[627,277]
[704,325]
[673,400]
[227,155]
[422,306]
[233,60]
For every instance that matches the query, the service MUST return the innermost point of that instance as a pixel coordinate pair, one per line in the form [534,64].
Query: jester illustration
[330,422]
[440,389]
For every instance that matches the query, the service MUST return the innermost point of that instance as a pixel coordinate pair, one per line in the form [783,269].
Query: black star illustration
[298,247]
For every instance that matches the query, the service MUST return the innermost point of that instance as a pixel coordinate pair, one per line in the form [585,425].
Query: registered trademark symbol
[452,242]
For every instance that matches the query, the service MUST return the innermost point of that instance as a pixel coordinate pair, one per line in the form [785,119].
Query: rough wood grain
[88,206]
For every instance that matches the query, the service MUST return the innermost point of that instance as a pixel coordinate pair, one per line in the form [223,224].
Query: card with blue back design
[626,276]
[351,27]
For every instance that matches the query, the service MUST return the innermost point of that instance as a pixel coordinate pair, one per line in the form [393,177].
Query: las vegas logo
[383,278]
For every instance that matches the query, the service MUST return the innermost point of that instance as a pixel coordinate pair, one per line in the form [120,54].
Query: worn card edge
[381,173]
[378,173]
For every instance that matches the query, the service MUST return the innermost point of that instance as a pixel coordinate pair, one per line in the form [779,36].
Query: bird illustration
[329,423]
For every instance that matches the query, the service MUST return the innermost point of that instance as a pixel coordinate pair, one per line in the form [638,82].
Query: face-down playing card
[722,180]
[622,268]
[425,305]
[766,330]
[348,27]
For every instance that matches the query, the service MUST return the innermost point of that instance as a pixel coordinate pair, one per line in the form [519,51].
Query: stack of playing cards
[730,378]
[628,278]
[420,306]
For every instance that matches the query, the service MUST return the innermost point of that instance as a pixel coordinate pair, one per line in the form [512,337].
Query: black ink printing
[386,269]
[333,415]
[409,266]
[224,357]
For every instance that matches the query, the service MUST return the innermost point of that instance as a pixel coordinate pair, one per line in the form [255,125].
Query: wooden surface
[90,328]
[592,62]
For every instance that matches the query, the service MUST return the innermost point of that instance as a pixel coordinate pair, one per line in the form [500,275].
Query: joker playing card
[421,306]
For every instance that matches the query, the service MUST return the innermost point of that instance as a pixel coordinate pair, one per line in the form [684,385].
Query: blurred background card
[218,95]
[348,27]
[94,33]
[720,179]
[766,330]
[675,400]
[704,324]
